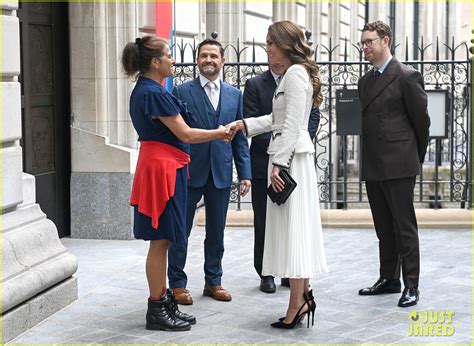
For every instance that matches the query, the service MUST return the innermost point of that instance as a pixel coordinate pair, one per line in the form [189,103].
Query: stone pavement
[112,295]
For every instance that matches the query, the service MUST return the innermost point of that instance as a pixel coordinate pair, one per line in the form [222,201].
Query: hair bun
[138,40]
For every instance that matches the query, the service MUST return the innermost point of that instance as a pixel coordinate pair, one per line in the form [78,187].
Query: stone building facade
[37,269]
[102,141]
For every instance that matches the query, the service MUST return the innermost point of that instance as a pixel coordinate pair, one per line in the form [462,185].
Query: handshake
[228,132]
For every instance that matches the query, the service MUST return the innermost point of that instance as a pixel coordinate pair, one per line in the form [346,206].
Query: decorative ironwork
[447,172]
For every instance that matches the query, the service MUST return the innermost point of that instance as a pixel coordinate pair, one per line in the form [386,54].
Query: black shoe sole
[160,327]
[267,290]
[407,305]
[390,291]
[193,322]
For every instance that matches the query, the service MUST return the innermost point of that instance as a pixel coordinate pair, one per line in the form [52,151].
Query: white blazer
[292,105]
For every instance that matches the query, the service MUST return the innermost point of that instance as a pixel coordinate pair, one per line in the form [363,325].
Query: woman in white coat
[294,245]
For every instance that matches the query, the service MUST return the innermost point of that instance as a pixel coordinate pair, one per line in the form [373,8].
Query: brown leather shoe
[217,292]
[182,296]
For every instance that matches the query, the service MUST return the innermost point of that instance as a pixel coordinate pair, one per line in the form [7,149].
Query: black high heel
[309,298]
[299,316]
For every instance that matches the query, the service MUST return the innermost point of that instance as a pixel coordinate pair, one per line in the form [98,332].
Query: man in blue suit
[210,103]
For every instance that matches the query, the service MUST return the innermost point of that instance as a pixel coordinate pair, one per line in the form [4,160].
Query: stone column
[284,10]
[103,142]
[377,11]
[227,19]
[36,268]
[313,22]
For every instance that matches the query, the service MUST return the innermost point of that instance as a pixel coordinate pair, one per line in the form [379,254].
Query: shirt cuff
[245,129]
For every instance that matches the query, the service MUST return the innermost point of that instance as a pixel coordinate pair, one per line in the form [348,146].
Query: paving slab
[113,291]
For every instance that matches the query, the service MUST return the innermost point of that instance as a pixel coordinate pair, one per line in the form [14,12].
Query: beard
[210,70]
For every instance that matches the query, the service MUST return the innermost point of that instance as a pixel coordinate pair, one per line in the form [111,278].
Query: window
[186,16]
[257,19]
[361,13]
[301,14]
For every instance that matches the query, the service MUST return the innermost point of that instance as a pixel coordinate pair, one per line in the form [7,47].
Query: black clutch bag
[281,197]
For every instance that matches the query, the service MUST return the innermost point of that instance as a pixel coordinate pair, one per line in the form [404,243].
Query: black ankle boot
[160,316]
[175,310]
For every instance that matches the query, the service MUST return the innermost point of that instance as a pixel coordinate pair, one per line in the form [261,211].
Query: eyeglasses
[368,42]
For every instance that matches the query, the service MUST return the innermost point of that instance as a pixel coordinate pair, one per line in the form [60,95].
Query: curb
[362,218]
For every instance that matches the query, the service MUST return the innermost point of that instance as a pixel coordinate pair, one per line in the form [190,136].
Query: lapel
[269,84]
[198,95]
[374,88]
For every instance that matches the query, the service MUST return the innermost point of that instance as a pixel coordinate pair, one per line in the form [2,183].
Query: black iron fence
[446,178]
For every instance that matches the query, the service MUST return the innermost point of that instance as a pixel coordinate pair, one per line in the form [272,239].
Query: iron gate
[446,178]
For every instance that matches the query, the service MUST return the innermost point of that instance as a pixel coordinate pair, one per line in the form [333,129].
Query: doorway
[45,102]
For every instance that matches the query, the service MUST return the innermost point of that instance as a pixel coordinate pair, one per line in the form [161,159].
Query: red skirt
[155,178]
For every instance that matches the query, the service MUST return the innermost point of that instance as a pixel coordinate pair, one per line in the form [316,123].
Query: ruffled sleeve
[160,104]
[185,113]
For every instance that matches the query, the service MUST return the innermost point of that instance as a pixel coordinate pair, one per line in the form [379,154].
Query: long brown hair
[136,56]
[290,39]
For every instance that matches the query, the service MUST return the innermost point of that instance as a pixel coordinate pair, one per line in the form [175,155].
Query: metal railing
[446,178]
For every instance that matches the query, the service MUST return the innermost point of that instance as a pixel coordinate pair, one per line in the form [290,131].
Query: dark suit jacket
[395,123]
[258,99]
[215,156]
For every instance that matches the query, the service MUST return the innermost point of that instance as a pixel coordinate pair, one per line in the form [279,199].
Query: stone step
[362,218]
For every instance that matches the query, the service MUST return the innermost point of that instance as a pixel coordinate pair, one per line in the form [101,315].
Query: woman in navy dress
[160,182]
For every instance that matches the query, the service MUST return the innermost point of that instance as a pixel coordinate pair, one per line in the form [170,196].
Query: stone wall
[36,268]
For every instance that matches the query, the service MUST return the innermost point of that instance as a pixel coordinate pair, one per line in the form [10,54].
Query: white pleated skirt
[294,246]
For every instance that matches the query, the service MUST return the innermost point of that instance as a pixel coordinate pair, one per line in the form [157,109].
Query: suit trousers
[391,203]
[216,203]
[259,206]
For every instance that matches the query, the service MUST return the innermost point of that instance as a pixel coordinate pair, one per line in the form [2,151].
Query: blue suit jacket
[215,157]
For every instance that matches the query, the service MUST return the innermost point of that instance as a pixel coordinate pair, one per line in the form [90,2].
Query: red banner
[164,18]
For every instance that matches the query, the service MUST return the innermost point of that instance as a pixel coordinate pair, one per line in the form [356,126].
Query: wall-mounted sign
[348,112]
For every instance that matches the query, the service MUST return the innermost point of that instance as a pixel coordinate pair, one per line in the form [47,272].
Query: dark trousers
[259,205]
[391,202]
[216,202]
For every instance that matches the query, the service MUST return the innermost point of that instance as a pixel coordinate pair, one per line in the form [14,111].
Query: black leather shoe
[409,297]
[285,282]
[382,286]
[267,284]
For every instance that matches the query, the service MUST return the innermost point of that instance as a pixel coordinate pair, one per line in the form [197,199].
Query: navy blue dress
[150,98]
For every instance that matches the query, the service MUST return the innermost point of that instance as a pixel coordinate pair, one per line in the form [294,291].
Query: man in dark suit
[258,97]
[395,131]
[210,103]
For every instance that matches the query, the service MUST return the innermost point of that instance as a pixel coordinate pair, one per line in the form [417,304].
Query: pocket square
[281,197]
